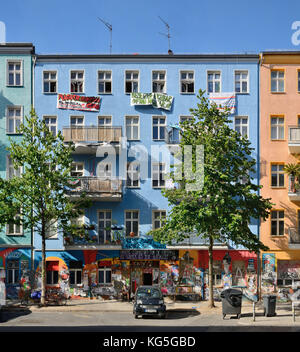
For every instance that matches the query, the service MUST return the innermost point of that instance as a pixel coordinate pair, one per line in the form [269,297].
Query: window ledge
[278,92]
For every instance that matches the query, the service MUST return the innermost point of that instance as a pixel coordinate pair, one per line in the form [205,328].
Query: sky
[196,26]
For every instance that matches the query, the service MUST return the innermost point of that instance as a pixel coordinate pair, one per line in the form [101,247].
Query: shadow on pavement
[7,315]
[175,314]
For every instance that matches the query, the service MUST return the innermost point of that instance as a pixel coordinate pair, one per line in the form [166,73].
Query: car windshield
[148,292]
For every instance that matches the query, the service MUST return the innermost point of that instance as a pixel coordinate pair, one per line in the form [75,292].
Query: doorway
[147,279]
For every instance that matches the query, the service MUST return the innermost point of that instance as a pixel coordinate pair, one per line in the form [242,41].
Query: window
[11,171]
[104,170]
[104,276]
[77,81]
[14,118]
[277,175]
[241,81]
[277,81]
[50,81]
[14,229]
[52,267]
[51,122]
[132,222]
[12,272]
[158,170]
[158,128]
[277,128]
[51,230]
[75,276]
[14,73]
[241,125]
[77,169]
[159,81]
[104,226]
[187,82]
[214,81]
[157,217]
[133,175]
[104,121]
[131,82]
[104,82]
[132,127]
[77,121]
[277,222]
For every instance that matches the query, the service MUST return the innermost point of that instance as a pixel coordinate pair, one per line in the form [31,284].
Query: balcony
[87,139]
[294,238]
[294,190]
[96,188]
[294,139]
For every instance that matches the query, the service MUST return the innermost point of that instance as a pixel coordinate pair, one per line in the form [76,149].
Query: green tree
[37,197]
[223,207]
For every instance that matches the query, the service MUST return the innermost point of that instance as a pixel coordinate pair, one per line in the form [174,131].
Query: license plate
[150,310]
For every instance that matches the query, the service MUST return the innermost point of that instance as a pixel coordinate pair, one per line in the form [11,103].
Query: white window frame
[76,278]
[277,126]
[78,80]
[79,168]
[133,168]
[214,80]
[106,220]
[106,118]
[241,80]
[14,118]
[77,117]
[241,125]
[161,183]
[51,124]
[15,227]
[277,173]
[132,125]
[104,81]
[52,278]
[158,81]
[160,211]
[132,220]
[10,170]
[15,72]
[104,170]
[132,80]
[158,126]
[104,276]
[49,80]
[277,79]
[186,81]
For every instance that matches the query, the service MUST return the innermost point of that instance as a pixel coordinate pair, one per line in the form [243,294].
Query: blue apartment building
[16,98]
[124,105]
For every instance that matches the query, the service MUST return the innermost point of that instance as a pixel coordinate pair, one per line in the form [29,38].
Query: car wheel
[136,316]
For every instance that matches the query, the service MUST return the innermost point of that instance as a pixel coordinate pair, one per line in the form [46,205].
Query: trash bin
[231,302]
[269,302]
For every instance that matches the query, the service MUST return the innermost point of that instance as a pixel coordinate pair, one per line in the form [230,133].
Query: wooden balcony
[294,139]
[88,138]
[96,188]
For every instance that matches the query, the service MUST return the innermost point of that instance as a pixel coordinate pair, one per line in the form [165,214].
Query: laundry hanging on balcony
[157,100]
[223,100]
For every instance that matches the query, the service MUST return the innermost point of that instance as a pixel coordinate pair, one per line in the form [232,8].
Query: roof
[17,48]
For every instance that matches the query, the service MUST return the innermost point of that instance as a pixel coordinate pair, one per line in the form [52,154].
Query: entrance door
[147,278]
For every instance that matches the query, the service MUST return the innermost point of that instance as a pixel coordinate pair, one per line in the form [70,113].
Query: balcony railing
[294,139]
[88,134]
[294,189]
[294,235]
[96,187]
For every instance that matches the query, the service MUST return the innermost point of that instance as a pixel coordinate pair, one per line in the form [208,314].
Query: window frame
[49,80]
[131,220]
[159,172]
[77,117]
[105,269]
[8,62]
[278,172]
[15,233]
[277,80]
[10,165]
[160,217]
[132,80]
[104,80]
[105,117]
[158,126]
[214,80]
[132,172]
[277,221]
[15,269]
[241,125]
[76,164]
[158,81]
[241,80]
[277,126]
[131,127]
[75,277]
[14,107]
[186,81]
[72,79]
[105,220]
[51,117]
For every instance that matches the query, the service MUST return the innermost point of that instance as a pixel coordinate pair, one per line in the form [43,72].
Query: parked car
[149,300]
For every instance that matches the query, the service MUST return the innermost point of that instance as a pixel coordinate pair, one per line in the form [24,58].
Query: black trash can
[231,302]
[269,302]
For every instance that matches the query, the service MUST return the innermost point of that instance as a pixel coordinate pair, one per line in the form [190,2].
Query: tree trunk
[210,273]
[43,294]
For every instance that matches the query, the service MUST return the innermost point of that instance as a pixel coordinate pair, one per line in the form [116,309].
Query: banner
[78,102]
[223,100]
[157,100]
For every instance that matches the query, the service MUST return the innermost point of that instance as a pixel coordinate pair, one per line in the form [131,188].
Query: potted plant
[293,170]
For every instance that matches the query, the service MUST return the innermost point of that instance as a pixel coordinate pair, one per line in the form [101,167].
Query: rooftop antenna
[166,35]
[109,26]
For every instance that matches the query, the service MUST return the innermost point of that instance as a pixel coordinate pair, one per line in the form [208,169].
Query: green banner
[157,100]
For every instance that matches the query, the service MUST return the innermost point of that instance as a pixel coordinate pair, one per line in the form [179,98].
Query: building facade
[279,148]
[16,98]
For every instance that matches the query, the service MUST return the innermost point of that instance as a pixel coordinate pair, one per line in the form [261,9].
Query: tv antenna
[109,26]
[168,29]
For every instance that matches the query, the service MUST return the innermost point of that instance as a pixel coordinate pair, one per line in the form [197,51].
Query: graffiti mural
[268,277]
